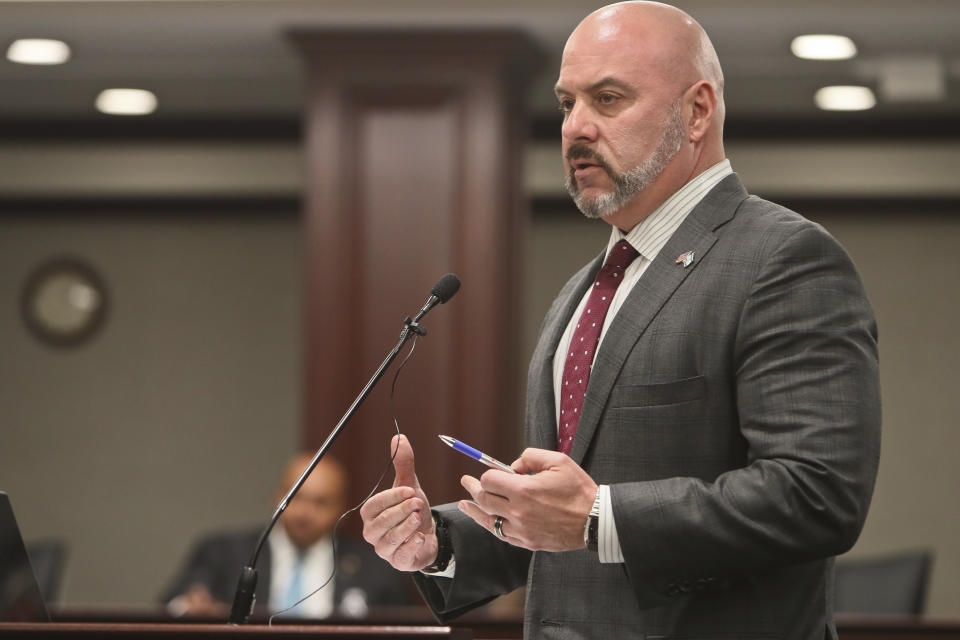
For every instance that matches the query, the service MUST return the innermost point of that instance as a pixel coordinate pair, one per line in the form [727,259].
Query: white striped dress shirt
[648,238]
[317,567]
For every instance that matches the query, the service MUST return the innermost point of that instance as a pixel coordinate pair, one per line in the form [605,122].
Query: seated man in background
[297,558]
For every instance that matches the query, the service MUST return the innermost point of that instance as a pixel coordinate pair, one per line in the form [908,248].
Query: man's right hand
[198,601]
[397,522]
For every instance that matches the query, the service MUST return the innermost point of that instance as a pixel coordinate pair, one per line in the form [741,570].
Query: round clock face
[64,302]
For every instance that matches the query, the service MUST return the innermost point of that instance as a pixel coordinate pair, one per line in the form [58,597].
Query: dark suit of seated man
[297,558]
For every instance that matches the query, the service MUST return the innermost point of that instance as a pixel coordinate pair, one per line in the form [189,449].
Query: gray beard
[629,184]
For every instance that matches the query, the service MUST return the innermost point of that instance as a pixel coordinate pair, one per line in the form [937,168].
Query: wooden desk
[175,631]
[481,625]
[406,625]
[882,627]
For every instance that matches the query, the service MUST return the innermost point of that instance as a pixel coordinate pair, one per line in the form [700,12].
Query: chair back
[890,584]
[48,559]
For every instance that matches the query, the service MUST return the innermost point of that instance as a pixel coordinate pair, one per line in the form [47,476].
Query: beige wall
[177,418]
[911,269]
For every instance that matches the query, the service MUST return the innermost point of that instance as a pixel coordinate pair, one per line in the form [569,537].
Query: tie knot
[621,255]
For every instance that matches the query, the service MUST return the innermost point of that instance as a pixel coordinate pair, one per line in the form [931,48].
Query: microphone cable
[376,487]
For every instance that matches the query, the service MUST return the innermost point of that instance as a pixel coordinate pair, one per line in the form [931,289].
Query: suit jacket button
[673,590]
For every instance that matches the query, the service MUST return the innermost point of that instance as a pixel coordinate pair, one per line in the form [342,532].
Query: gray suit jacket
[734,410]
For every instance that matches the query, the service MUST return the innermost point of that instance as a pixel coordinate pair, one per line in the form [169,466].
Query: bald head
[658,36]
[313,512]
[641,92]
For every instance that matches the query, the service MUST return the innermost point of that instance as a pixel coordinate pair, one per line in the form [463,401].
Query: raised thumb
[406,474]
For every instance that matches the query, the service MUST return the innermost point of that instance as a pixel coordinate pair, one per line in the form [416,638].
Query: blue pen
[479,456]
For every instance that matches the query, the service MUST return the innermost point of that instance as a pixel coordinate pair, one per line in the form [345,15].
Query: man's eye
[606,98]
[565,106]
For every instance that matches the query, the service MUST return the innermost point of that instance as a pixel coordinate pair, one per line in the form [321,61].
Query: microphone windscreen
[446,287]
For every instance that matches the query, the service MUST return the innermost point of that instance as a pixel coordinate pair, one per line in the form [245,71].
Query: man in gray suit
[703,404]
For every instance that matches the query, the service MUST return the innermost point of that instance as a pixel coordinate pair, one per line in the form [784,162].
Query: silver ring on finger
[498,527]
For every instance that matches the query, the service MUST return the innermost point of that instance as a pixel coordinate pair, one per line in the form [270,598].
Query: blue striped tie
[295,585]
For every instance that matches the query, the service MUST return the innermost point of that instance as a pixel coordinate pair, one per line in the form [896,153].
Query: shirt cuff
[178,606]
[608,542]
[446,573]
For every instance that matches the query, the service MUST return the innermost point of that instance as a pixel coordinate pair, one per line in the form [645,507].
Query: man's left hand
[544,506]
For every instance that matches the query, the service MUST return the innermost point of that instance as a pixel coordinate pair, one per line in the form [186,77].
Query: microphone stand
[243,600]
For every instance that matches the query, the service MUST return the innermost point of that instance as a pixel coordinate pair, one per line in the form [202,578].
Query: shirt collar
[651,234]
[282,546]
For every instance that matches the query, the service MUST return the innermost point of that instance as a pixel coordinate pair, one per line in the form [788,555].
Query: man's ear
[703,101]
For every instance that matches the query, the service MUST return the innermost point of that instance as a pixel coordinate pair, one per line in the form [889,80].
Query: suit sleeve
[486,568]
[201,568]
[808,404]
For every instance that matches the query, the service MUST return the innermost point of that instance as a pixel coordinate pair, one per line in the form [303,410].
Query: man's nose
[579,125]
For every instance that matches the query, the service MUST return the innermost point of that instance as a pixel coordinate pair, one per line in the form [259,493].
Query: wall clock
[64,301]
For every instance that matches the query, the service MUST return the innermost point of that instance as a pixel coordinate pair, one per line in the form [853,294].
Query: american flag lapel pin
[686,259]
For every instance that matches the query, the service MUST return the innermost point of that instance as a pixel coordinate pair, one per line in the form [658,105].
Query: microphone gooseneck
[243,600]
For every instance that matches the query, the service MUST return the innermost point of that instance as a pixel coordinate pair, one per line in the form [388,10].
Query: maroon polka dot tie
[583,345]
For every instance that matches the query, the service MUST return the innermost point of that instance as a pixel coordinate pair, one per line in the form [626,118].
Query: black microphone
[243,599]
[445,289]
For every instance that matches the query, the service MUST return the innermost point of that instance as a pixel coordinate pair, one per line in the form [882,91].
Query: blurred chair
[48,559]
[889,584]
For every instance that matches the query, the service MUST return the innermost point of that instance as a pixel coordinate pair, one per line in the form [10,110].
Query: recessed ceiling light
[126,102]
[845,98]
[823,47]
[38,51]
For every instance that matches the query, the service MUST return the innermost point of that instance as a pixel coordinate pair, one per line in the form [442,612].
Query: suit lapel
[655,287]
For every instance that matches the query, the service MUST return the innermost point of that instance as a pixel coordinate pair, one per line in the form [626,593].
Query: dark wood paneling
[139,207]
[827,126]
[412,145]
[160,130]
[811,207]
